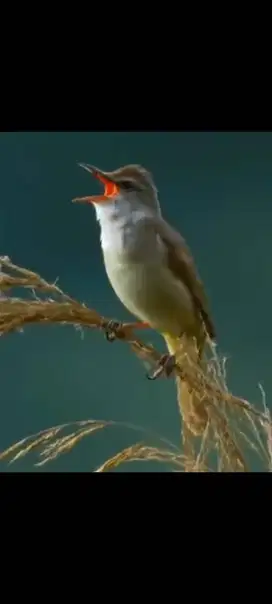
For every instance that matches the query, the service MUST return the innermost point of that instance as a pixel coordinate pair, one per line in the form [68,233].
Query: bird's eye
[127,185]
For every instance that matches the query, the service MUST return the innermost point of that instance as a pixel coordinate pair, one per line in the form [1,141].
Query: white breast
[124,232]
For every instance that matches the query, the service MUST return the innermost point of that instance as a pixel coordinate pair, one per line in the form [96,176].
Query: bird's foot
[111,329]
[114,329]
[165,365]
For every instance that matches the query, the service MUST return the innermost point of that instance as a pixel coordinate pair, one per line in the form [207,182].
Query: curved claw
[165,365]
[111,329]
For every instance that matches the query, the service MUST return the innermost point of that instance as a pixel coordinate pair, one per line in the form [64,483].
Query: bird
[152,271]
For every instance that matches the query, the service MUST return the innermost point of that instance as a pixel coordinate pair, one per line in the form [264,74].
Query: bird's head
[131,185]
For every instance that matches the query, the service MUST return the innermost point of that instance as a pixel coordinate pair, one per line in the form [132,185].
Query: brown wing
[182,265]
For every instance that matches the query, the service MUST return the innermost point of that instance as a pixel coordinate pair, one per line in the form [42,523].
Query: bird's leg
[139,325]
[165,365]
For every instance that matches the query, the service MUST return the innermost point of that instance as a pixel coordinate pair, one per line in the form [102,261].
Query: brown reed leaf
[35,442]
[66,443]
[140,452]
[51,448]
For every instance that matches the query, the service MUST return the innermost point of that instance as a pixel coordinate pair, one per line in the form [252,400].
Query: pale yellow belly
[152,294]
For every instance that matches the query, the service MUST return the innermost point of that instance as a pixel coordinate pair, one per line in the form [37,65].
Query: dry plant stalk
[233,422]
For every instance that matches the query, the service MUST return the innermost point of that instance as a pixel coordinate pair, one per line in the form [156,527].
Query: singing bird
[152,271]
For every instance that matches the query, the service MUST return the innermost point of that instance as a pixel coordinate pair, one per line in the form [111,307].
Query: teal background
[216,188]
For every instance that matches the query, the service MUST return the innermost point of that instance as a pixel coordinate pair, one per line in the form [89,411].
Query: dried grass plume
[236,431]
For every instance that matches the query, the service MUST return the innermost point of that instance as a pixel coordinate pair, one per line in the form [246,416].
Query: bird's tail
[191,405]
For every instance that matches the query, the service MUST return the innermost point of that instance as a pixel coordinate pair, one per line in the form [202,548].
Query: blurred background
[216,188]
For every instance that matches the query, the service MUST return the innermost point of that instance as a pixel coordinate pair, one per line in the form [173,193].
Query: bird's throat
[121,230]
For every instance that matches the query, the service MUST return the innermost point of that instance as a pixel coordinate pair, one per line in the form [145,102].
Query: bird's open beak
[111,189]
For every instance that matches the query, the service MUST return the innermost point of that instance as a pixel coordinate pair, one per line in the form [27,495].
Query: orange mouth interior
[110,192]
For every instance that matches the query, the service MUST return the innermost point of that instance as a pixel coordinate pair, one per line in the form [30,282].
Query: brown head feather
[135,173]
